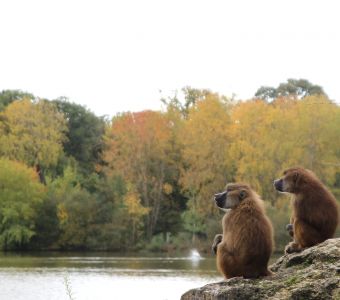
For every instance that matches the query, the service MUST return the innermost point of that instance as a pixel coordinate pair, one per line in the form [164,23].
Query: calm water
[101,276]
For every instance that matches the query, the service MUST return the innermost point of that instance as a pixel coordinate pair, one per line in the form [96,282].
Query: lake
[98,276]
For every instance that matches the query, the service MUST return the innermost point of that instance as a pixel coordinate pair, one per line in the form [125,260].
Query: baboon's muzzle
[278,184]
[220,199]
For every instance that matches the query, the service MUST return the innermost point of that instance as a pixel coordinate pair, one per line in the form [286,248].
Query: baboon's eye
[243,194]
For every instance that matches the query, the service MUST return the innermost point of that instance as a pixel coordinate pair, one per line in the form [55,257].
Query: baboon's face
[288,183]
[232,197]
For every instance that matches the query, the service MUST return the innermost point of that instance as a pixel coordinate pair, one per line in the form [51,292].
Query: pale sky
[115,56]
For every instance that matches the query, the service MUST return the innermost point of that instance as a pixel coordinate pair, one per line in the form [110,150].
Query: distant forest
[71,180]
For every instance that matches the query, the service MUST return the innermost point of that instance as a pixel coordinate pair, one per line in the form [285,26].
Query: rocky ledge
[311,274]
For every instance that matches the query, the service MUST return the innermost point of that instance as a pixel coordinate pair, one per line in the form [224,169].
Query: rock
[311,274]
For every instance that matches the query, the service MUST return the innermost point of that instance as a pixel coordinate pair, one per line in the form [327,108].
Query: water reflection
[102,276]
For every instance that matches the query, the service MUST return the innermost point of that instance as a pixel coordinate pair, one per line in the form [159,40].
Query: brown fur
[245,247]
[315,214]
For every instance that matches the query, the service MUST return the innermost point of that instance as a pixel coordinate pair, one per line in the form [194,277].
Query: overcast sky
[116,56]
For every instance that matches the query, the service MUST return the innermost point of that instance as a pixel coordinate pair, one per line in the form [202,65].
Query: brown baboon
[246,244]
[315,213]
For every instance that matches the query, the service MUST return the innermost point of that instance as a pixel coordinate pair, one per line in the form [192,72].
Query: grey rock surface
[311,274]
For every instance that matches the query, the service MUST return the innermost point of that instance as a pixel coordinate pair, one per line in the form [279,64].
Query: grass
[68,286]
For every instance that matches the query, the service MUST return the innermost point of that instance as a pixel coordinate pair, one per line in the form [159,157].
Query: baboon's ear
[243,194]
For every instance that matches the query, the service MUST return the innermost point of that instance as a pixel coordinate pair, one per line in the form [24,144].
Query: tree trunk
[40,172]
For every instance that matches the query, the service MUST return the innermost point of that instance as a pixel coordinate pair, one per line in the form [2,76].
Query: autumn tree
[205,139]
[20,195]
[207,166]
[259,144]
[317,130]
[75,210]
[119,215]
[268,138]
[151,177]
[32,132]
[135,211]
[190,97]
[139,150]
[9,96]
[106,218]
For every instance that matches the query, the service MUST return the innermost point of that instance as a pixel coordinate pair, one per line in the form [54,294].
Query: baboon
[246,244]
[315,214]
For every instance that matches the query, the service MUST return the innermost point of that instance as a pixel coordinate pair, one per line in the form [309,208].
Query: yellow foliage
[134,207]
[253,141]
[216,141]
[269,137]
[32,132]
[205,138]
[167,188]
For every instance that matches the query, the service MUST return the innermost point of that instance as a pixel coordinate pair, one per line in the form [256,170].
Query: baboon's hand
[292,247]
[290,229]
[217,240]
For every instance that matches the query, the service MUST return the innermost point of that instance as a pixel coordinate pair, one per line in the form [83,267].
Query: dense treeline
[72,180]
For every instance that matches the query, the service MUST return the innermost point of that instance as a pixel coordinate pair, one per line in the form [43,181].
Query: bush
[20,195]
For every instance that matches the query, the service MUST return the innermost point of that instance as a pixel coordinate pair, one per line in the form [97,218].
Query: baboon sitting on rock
[246,244]
[315,213]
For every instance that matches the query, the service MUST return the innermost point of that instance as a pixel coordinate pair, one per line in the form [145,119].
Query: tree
[260,138]
[135,211]
[317,131]
[85,133]
[76,209]
[32,132]
[139,150]
[268,138]
[114,229]
[191,96]
[205,140]
[299,88]
[46,223]
[9,96]
[266,93]
[106,218]
[193,222]
[20,195]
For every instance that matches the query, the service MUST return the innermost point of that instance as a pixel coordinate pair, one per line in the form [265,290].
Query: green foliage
[84,135]
[193,222]
[183,241]
[46,223]
[9,96]
[191,97]
[157,243]
[20,194]
[299,88]
[280,213]
[75,210]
